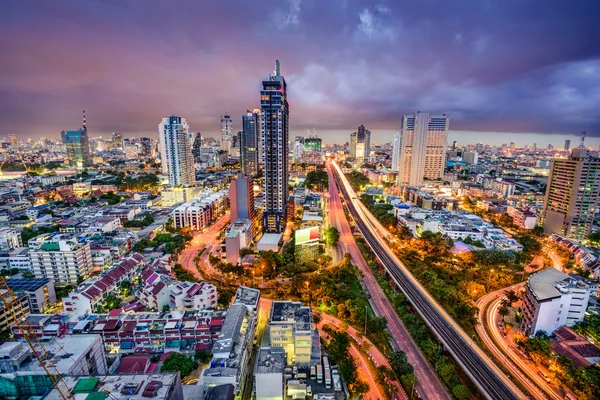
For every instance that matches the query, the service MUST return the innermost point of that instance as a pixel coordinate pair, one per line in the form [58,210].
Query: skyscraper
[176,151]
[117,140]
[423,148]
[78,147]
[274,110]
[534,148]
[572,195]
[226,132]
[249,142]
[313,144]
[196,147]
[567,145]
[397,147]
[360,144]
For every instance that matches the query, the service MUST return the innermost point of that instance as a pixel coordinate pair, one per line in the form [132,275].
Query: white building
[176,151]
[176,195]
[422,148]
[201,211]
[239,236]
[290,327]
[553,299]
[268,376]
[187,296]
[10,238]
[226,132]
[397,147]
[470,157]
[61,258]
[460,232]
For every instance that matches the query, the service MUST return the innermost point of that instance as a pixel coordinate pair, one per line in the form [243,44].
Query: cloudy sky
[492,65]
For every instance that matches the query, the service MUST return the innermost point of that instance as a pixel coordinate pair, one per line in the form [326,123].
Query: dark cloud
[495,65]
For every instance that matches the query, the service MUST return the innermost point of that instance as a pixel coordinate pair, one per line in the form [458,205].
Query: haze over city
[493,66]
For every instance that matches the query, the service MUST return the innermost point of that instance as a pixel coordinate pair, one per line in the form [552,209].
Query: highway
[429,386]
[489,379]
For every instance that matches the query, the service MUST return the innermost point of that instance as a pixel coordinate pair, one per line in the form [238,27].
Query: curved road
[428,386]
[490,380]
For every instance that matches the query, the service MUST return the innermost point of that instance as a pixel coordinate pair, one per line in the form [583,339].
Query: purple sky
[493,65]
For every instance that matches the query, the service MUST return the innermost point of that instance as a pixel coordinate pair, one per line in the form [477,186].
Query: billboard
[307,235]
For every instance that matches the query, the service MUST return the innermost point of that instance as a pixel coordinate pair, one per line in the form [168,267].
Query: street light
[307,292]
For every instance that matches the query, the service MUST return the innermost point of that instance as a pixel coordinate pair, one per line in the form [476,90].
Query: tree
[594,238]
[317,317]
[399,363]
[28,274]
[461,392]
[203,356]
[332,235]
[503,311]
[176,362]
[511,295]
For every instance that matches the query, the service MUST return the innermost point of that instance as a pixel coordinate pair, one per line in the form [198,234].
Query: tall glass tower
[78,146]
[249,142]
[274,109]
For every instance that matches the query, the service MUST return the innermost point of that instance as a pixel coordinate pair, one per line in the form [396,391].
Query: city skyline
[517,84]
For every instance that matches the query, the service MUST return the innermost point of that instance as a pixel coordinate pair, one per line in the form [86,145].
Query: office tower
[534,148]
[360,144]
[226,132]
[567,145]
[423,148]
[117,140]
[147,146]
[249,142]
[550,147]
[78,147]
[241,198]
[196,147]
[512,145]
[572,195]
[397,145]
[176,151]
[313,144]
[274,110]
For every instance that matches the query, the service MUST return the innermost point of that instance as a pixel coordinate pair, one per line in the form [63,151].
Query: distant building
[226,132]
[249,142]
[396,149]
[313,144]
[567,145]
[196,146]
[553,299]
[176,151]
[423,148]
[78,148]
[360,144]
[572,195]
[470,157]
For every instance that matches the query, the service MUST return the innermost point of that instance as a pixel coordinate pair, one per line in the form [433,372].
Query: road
[521,369]
[489,379]
[206,239]
[429,386]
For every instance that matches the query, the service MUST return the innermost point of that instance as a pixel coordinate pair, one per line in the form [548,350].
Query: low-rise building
[16,258]
[239,236]
[61,258]
[10,239]
[554,299]
[20,309]
[176,195]
[290,327]
[201,211]
[268,375]
[40,292]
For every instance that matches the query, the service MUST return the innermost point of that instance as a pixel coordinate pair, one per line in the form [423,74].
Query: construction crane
[13,306]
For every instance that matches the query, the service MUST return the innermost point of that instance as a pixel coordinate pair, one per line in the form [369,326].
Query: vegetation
[144,222]
[182,274]
[317,179]
[29,232]
[203,356]
[10,272]
[594,238]
[28,275]
[174,243]
[399,363]
[381,211]
[112,198]
[176,362]
[585,382]
[225,296]
[338,349]
[358,181]
[589,327]
[331,235]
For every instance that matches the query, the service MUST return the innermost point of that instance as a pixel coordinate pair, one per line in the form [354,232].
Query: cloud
[290,17]
[376,24]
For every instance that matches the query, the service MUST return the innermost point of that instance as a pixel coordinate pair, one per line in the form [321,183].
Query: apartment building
[554,299]
[201,211]
[40,292]
[10,239]
[20,308]
[61,258]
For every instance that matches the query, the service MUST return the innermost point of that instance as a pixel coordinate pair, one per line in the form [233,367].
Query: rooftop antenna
[84,122]
[277,68]
[315,132]
[582,140]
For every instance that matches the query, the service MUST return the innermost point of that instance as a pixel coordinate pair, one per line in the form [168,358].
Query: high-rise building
[422,148]
[534,148]
[249,142]
[512,145]
[360,144]
[572,195]
[313,144]
[241,198]
[196,147]
[226,132]
[567,145]
[299,139]
[78,148]
[297,151]
[117,140]
[396,148]
[470,157]
[176,151]
[274,110]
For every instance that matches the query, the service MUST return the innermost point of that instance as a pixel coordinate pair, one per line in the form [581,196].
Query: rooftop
[26,284]
[270,360]
[551,283]
[247,296]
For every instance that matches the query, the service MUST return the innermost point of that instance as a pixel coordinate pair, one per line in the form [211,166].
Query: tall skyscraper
[249,142]
[176,151]
[78,147]
[117,140]
[567,145]
[572,195]
[396,148]
[241,198]
[196,147]
[313,144]
[360,144]
[423,148]
[274,110]
[534,148]
[226,132]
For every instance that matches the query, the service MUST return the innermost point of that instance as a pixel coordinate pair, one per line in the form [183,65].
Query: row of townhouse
[160,290]
[93,292]
[135,333]
[588,258]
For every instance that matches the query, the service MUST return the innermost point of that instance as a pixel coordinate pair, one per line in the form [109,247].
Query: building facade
[360,144]
[226,132]
[572,195]
[422,148]
[274,134]
[249,142]
[62,259]
[201,211]
[175,151]
[78,148]
[10,239]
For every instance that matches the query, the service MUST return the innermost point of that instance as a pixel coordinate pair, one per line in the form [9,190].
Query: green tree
[594,238]
[399,363]
[28,275]
[176,362]
[503,311]
[332,235]
[461,392]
